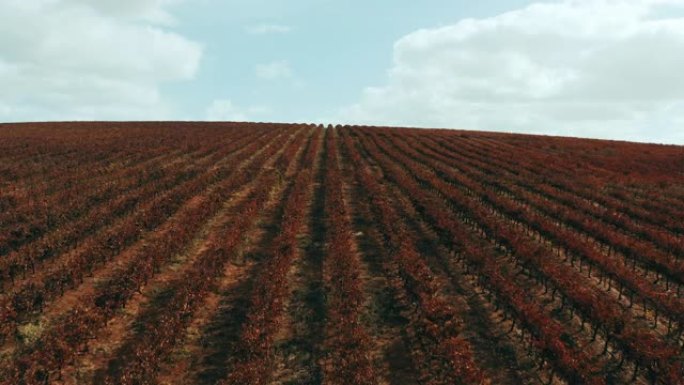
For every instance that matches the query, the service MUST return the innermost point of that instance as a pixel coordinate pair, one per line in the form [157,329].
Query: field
[233,253]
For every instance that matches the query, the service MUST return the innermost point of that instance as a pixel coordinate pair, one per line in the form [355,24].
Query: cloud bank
[597,68]
[89,59]
[226,110]
[275,70]
[266,29]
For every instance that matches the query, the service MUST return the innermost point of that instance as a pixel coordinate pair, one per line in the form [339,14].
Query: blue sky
[591,68]
[333,49]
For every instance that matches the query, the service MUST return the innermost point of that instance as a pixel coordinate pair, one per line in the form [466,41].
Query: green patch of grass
[30,333]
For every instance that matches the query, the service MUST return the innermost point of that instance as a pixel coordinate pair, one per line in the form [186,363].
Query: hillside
[245,253]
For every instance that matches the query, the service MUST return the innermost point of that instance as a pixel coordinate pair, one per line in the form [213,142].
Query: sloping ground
[243,253]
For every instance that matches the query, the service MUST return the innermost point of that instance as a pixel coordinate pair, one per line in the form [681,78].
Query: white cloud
[265,29]
[274,71]
[599,68]
[87,59]
[226,110]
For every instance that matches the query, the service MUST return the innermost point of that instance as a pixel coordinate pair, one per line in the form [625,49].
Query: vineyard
[253,253]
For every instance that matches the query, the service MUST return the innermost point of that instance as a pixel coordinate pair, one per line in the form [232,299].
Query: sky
[609,69]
